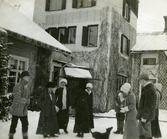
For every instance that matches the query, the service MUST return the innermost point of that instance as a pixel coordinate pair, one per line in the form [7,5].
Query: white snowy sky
[150,18]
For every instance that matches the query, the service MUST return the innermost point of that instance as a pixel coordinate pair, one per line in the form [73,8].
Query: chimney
[165,18]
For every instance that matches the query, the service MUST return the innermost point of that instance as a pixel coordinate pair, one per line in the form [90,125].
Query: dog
[98,135]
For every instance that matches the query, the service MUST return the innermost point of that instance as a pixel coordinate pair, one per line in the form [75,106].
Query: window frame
[70,27]
[149,56]
[122,45]
[126,11]
[85,35]
[47,6]
[75,3]
[148,61]
[17,70]
[55,33]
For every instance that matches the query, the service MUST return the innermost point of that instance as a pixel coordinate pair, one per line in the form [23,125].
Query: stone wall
[106,61]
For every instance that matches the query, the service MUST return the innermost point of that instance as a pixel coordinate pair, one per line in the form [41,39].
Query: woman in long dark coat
[155,128]
[84,111]
[63,103]
[48,124]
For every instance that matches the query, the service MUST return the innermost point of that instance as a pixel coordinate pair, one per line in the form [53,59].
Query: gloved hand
[57,109]
[125,109]
[143,121]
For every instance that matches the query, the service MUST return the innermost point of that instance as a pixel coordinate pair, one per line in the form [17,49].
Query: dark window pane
[149,61]
[53,5]
[83,3]
[85,36]
[61,35]
[125,45]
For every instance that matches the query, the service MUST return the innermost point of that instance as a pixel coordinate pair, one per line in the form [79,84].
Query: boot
[149,138]
[117,132]
[121,131]
[142,137]
[25,135]
[82,135]
[65,130]
[11,136]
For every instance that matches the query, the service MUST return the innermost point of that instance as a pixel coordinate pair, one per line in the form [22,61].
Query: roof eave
[35,42]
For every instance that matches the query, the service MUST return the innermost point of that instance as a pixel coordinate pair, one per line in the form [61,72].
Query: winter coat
[62,115]
[47,123]
[84,115]
[119,103]
[147,104]
[131,123]
[21,99]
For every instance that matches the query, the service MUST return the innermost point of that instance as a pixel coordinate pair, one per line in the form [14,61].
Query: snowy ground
[100,125]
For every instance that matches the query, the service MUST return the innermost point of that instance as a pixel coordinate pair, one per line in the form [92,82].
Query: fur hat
[24,73]
[125,88]
[158,86]
[50,85]
[144,77]
[89,85]
[63,80]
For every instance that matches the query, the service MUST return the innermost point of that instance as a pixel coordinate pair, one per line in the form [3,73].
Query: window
[126,10]
[149,61]
[90,36]
[62,35]
[55,5]
[72,35]
[65,35]
[83,3]
[18,64]
[121,79]
[125,45]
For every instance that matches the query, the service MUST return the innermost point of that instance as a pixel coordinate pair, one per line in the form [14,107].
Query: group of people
[147,110]
[55,106]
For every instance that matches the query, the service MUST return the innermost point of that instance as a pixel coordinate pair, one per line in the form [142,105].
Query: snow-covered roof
[156,41]
[77,73]
[13,20]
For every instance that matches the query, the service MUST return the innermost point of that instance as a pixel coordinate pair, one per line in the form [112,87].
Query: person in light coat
[19,106]
[131,123]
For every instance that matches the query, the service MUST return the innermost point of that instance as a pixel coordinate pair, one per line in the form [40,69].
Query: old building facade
[100,33]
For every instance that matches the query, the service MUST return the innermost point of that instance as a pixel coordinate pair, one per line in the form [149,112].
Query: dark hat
[144,77]
[50,84]
[24,73]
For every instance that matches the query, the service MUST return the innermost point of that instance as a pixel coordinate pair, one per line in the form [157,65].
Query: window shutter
[128,48]
[121,43]
[93,2]
[85,36]
[54,33]
[66,35]
[64,4]
[74,4]
[129,13]
[47,5]
[123,10]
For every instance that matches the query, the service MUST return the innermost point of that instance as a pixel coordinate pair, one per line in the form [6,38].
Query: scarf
[64,98]
[89,92]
